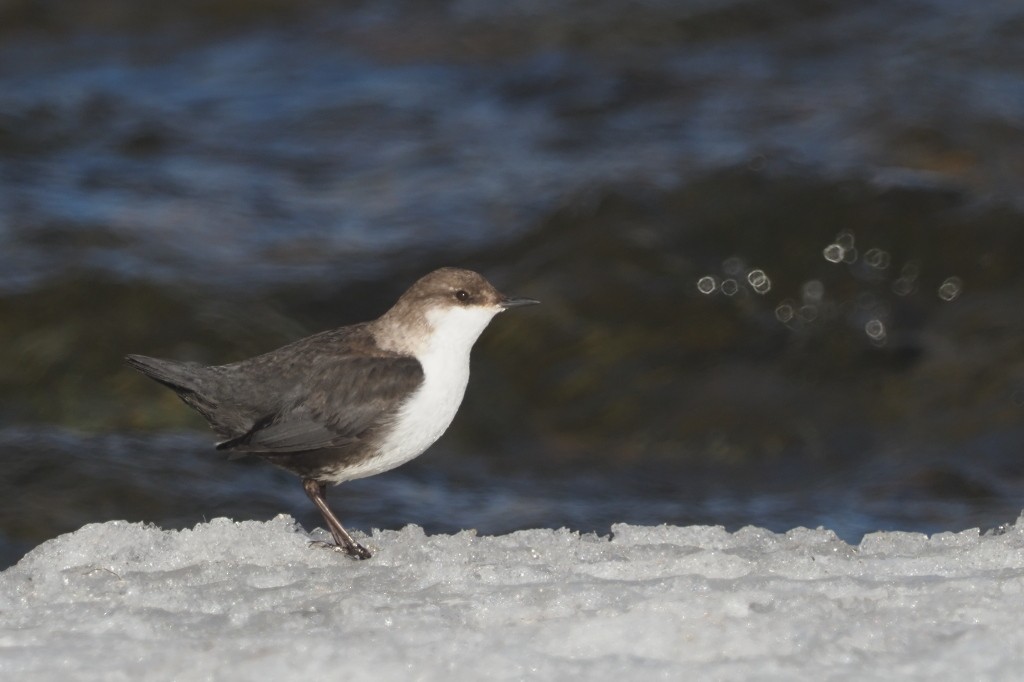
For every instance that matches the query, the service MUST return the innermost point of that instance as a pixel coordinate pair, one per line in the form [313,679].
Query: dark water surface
[778,244]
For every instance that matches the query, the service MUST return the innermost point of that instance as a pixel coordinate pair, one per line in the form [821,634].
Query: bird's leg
[318,493]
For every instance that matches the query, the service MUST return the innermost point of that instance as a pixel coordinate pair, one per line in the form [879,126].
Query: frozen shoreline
[248,600]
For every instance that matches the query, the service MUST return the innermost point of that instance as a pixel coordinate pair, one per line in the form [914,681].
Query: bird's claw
[356,552]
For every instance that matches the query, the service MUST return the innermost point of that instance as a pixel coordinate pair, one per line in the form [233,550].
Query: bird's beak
[515,301]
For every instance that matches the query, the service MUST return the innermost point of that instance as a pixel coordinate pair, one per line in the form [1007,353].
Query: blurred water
[776,242]
[273,152]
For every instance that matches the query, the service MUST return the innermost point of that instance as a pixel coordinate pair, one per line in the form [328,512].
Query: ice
[252,600]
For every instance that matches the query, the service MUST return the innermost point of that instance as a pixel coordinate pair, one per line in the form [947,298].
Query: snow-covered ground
[251,600]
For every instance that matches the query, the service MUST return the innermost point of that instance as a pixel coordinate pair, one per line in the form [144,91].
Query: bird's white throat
[429,411]
[456,329]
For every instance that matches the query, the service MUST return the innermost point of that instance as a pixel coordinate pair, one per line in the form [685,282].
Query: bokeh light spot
[950,288]
[833,253]
[733,266]
[875,329]
[813,291]
[759,281]
[877,258]
[707,284]
[785,313]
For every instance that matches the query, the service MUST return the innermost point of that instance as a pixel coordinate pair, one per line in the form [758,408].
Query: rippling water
[777,244]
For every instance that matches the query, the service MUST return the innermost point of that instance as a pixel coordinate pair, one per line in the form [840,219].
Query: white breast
[429,411]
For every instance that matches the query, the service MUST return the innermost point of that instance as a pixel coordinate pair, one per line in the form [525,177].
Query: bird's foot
[356,551]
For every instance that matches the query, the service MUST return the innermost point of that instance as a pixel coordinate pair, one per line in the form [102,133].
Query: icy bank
[243,601]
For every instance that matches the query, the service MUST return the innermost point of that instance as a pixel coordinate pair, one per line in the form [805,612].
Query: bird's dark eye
[462,295]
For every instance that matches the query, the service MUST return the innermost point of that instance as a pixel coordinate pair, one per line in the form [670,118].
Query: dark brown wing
[326,390]
[337,406]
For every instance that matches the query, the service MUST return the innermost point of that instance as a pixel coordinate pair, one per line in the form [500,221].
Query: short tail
[176,375]
[194,385]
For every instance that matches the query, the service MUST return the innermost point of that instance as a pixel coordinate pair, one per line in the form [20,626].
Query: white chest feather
[429,411]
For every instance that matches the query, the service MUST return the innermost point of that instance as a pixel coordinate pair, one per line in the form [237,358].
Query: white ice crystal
[251,600]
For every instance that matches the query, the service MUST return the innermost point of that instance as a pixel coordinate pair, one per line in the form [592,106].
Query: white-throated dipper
[350,402]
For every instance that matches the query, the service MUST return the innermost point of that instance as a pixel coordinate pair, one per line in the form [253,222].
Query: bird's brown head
[459,288]
[454,301]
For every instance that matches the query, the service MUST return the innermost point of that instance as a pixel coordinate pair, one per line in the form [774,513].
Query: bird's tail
[193,383]
[180,376]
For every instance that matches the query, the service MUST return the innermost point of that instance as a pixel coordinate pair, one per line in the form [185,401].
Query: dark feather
[325,391]
[334,408]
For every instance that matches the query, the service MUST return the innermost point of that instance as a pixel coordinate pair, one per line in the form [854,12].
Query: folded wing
[338,406]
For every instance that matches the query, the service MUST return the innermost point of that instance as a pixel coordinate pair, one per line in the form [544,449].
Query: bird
[350,402]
